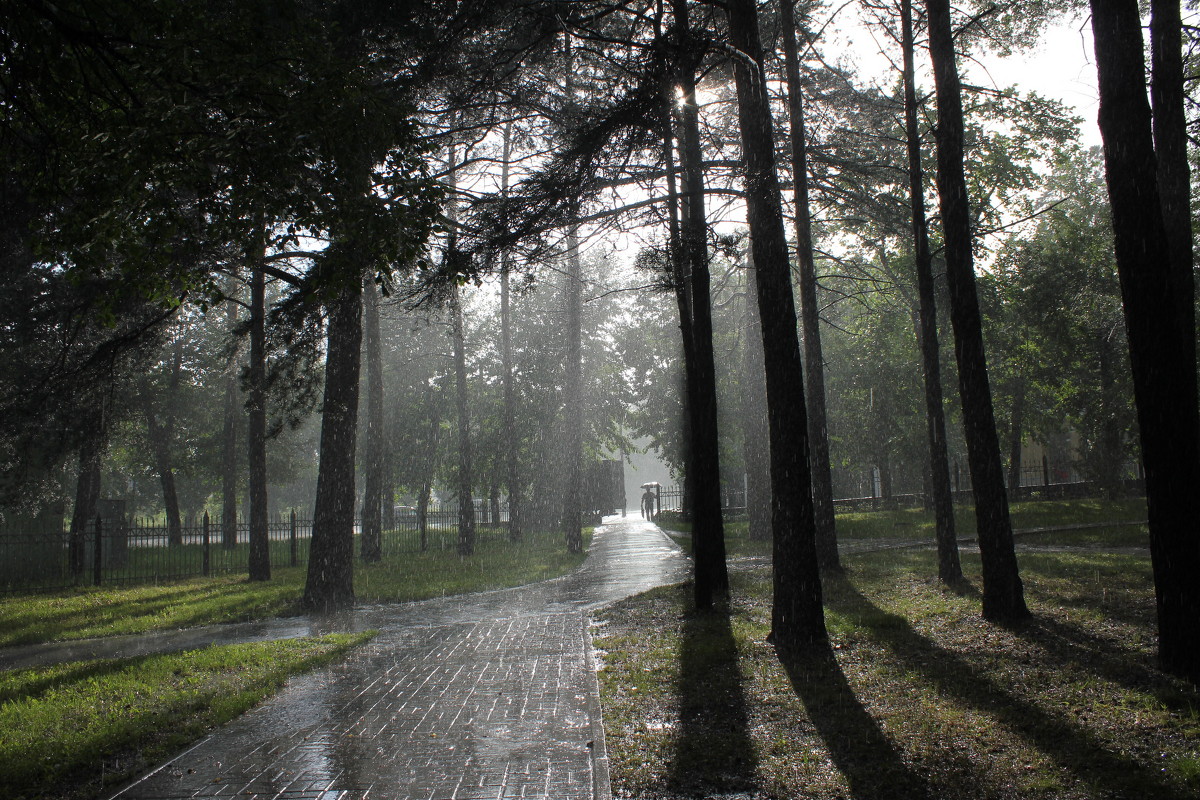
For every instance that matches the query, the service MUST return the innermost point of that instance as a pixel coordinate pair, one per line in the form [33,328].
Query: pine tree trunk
[256,440]
[512,462]
[431,462]
[1170,151]
[810,317]
[1015,434]
[949,564]
[1003,593]
[756,435]
[572,518]
[371,546]
[1161,343]
[797,616]
[682,292]
[466,478]
[229,444]
[330,585]
[158,437]
[711,583]
[87,493]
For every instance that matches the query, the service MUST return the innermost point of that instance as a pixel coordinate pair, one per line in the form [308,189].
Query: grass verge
[917,696]
[70,730]
[1111,518]
[108,611]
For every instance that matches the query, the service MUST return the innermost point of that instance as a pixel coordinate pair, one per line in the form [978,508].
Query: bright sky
[1061,67]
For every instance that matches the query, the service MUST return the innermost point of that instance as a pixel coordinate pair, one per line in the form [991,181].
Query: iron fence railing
[38,558]
[1063,483]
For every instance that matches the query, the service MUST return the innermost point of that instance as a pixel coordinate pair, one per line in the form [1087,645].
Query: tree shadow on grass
[714,753]
[1087,757]
[857,744]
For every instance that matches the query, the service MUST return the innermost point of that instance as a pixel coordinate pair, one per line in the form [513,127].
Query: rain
[579,399]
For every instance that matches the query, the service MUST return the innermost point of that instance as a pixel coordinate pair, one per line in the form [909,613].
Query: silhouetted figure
[648,504]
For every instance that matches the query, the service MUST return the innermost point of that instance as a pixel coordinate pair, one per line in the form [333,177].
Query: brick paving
[485,696]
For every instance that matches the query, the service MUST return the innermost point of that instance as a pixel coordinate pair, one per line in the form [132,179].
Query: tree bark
[87,492]
[810,317]
[1003,593]
[679,278]
[371,546]
[330,585]
[512,462]
[1015,434]
[431,461]
[756,435]
[229,441]
[466,477]
[797,616]
[1161,344]
[1170,151]
[159,446]
[949,564]
[711,584]
[572,518]
[256,440]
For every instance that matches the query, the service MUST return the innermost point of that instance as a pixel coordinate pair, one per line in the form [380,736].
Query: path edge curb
[601,777]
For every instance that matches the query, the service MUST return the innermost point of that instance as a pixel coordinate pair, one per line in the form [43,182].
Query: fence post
[205,564]
[292,538]
[1045,471]
[98,561]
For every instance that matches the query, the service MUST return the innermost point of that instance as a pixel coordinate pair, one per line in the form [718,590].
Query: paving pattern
[484,696]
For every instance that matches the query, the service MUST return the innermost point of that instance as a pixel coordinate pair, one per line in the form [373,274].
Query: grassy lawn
[70,730]
[106,611]
[918,697]
[916,524]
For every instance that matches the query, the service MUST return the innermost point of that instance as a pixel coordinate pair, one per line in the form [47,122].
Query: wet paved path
[483,696]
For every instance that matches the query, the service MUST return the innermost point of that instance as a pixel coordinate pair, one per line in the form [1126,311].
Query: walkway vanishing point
[491,695]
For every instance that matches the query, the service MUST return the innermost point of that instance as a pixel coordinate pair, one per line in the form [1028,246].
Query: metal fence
[1038,483]
[138,551]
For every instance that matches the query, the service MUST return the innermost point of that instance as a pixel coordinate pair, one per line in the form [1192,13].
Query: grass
[107,611]
[916,697]
[915,524]
[70,730]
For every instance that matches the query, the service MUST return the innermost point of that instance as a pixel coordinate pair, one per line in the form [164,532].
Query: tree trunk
[87,493]
[572,518]
[1016,433]
[466,504]
[1161,345]
[681,286]
[256,440]
[1108,466]
[797,617]
[512,462]
[330,585]
[814,360]
[756,444]
[431,460]
[229,441]
[1170,151]
[423,514]
[949,564]
[371,546]
[158,436]
[711,583]
[1003,593]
